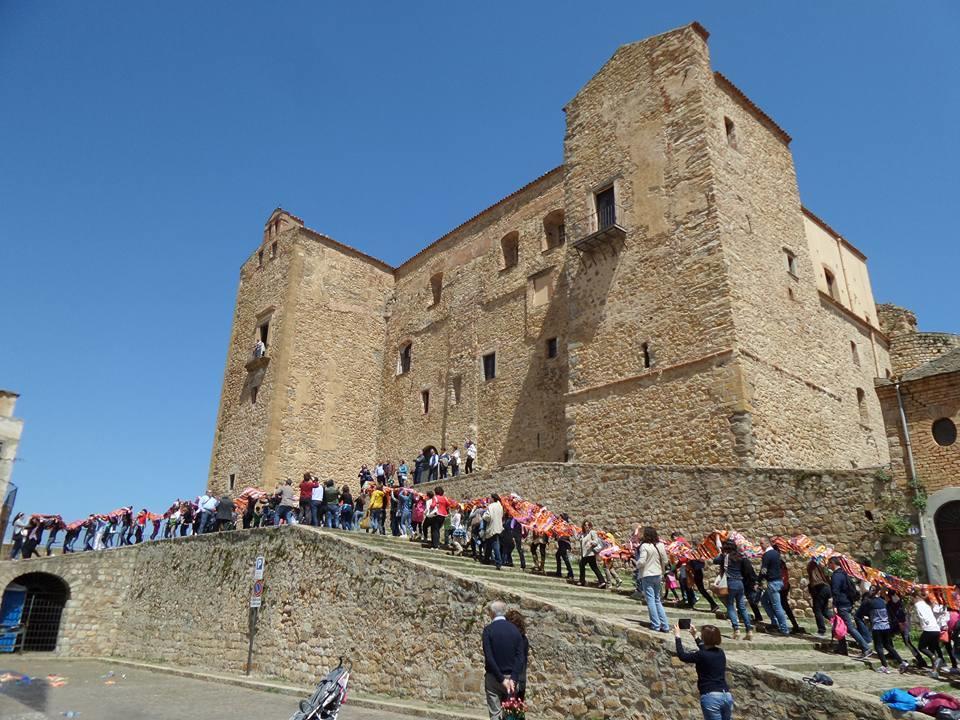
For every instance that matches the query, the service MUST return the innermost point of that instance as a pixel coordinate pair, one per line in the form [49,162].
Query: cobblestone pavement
[104,691]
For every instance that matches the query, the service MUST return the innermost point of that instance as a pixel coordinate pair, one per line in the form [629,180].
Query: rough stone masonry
[662,297]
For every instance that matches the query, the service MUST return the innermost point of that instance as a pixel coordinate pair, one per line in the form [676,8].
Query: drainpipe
[912,474]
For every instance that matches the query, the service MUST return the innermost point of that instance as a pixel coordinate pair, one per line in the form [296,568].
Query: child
[538,549]
[671,585]
[458,535]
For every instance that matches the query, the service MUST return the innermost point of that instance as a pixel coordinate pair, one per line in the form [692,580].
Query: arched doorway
[36,601]
[947,522]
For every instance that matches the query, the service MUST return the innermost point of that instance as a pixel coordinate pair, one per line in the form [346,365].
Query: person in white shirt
[207,504]
[493,517]
[259,349]
[929,643]
[651,565]
[471,456]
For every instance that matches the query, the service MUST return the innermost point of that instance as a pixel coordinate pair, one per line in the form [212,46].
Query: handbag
[720,581]
[365,523]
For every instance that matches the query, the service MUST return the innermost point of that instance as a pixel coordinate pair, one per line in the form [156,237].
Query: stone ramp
[799,655]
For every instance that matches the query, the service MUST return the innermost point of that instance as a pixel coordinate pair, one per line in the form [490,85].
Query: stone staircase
[797,655]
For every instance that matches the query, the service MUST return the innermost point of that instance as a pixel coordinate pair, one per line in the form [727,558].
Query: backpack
[839,627]
[851,591]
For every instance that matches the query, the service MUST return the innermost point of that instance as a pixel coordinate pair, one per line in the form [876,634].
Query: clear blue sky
[143,145]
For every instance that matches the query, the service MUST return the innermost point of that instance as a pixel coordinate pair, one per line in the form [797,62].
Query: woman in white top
[651,564]
[929,643]
[590,545]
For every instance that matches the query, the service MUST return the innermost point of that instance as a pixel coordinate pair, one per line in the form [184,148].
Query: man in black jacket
[503,658]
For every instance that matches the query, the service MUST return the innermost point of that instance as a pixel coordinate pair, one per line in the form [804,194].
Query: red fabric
[444,504]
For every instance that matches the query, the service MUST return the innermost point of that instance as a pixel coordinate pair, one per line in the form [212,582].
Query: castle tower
[311,401]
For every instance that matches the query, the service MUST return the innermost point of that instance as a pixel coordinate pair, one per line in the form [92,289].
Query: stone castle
[661,297]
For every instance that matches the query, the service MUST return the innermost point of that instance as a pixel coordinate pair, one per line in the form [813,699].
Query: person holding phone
[716,702]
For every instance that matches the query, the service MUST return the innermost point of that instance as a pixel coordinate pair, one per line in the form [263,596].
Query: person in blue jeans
[716,702]
[844,595]
[770,570]
[735,567]
[651,563]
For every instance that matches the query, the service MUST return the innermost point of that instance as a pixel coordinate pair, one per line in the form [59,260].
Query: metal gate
[42,610]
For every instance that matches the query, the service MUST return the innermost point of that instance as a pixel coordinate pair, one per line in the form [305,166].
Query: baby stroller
[326,700]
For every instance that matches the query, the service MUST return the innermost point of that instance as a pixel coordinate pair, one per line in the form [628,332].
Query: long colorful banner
[537,518]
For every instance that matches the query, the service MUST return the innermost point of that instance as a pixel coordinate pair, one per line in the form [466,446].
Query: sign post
[256,600]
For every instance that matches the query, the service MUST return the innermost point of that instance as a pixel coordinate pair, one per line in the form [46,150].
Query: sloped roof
[947,363]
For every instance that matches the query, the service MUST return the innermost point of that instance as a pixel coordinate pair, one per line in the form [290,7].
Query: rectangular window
[260,259]
[233,481]
[425,400]
[791,262]
[273,250]
[263,332]
[404,359]
[862,406]
[731,131]
[489,366]
[647,360]
[552,348]
[855,353]
[253,394]
[606,209]
[436,287]
[456,386]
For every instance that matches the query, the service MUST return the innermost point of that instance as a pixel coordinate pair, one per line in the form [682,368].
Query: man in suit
[503,658]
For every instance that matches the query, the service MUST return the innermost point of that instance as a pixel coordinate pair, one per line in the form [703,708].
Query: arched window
[403,358]
[831,283]
[510,250]
[554,230]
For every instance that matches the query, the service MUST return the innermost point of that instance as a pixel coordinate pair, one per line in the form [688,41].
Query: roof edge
[348,249]
[725,84]
[823,224]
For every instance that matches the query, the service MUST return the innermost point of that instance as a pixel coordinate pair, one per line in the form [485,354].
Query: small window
[606,208]
[944,432]
[404,358]
[273,250]
[731,131]
[263,332]
[489,366]
[831,283]
[791,262]
[260,259]
[436,287]
[854,353]
[425,400]
[647,360]
[862,405]
[253,394]
[510,250]
[551,347]
[456,385]
[233,481]
[554,230]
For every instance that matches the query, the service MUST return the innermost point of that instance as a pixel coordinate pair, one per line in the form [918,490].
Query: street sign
[256,601]
[258,568]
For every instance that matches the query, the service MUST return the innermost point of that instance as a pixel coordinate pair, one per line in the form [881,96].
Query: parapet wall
[844,508]
[411,630]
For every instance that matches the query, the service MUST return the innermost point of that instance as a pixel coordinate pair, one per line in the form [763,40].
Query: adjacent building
[662,297]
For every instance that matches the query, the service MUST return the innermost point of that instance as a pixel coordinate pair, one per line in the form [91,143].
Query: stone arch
[44,597]
[932,543]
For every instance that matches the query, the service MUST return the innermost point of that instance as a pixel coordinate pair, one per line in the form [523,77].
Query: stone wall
[411,630]
[483,308]
[804,356]
[909,348]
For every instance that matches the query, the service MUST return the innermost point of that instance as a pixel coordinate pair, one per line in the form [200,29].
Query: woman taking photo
[716,702]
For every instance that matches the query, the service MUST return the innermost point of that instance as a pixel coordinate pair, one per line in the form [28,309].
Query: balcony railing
[600,229]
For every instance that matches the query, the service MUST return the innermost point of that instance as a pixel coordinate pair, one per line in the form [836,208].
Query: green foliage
[898,563]
[883,475]
[896,525]
[920,500]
